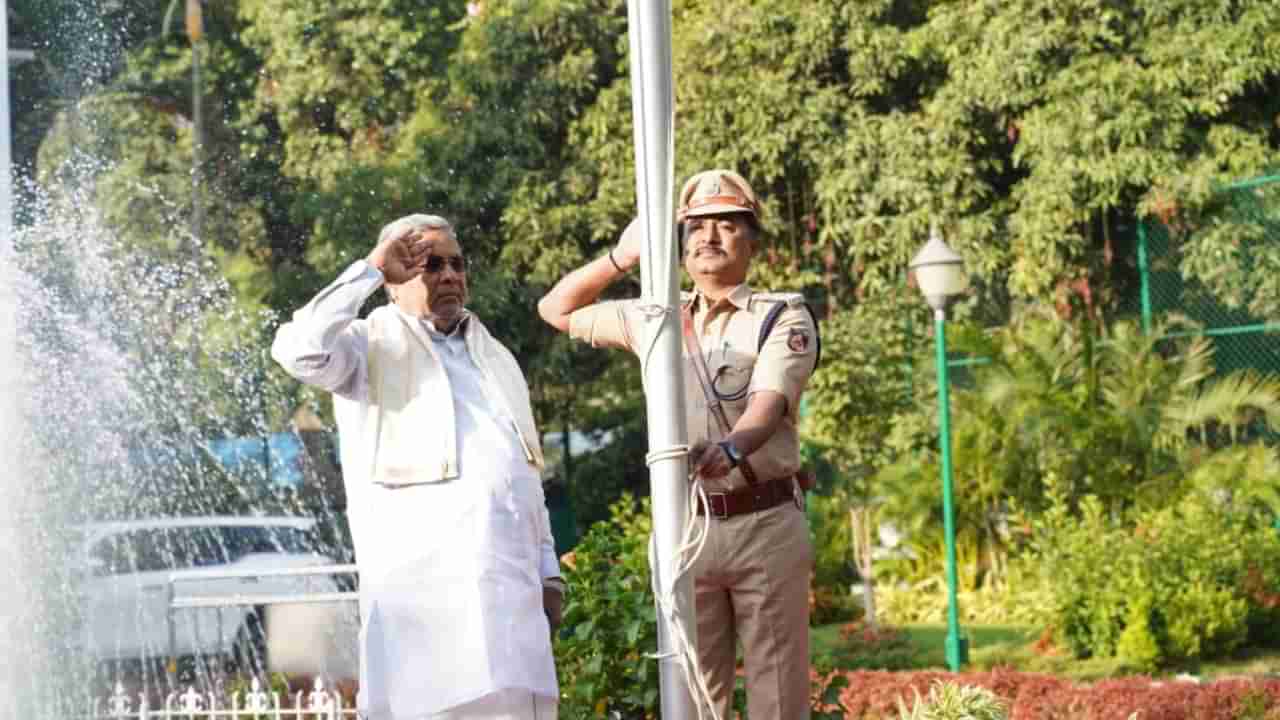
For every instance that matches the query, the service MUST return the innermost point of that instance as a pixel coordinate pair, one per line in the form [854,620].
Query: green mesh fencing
[1238,307]
[1235,245]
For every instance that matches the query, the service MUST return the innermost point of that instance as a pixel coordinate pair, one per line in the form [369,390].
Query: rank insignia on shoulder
[798,340]
[792,299]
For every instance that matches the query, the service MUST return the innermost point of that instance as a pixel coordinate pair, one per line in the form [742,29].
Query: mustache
[716,249]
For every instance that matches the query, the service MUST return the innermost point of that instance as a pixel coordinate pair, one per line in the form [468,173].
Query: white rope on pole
[685,557]
[694,539]
[671,453]
[655,313]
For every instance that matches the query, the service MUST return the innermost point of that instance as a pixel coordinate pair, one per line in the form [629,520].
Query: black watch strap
[731,452]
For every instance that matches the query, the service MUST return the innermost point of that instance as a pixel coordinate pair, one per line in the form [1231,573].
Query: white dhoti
[454,613]
[504,705]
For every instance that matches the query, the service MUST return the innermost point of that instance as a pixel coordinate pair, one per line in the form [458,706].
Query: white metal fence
[220,602]
[319,703]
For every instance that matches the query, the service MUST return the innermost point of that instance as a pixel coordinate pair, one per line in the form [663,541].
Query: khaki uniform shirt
[729,333]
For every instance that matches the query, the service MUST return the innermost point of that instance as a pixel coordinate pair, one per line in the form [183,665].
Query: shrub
[829,605]
[609,620]
[925,601]
[865,648]
[833,566]
[1262,587]
[1170,586]
[1137,644]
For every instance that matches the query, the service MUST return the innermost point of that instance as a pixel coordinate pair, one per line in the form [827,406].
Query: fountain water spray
[122,361]
[12,603]
[10,558]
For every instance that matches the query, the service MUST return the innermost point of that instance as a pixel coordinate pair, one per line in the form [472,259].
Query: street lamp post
[195,31]
[940,274]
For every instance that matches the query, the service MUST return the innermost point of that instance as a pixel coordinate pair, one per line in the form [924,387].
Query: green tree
[450,112]
[131,143]
[1034,132]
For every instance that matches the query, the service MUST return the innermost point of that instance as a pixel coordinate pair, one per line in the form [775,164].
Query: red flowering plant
[863,646]
[869,695]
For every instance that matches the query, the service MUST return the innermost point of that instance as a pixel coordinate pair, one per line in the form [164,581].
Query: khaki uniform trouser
[752,585]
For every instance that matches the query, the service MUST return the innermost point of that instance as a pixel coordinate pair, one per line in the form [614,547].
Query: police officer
[748,357]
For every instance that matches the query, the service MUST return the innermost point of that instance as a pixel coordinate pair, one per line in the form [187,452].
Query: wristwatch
[732,452]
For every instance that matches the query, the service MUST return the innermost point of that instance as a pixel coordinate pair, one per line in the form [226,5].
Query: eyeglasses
[435,263]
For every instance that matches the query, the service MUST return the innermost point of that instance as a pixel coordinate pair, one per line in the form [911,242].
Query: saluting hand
[627,251]
[402,257]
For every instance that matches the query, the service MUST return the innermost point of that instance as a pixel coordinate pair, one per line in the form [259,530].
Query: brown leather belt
[753,498]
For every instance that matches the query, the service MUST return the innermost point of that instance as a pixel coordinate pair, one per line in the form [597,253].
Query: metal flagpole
[653,116]
[6,160]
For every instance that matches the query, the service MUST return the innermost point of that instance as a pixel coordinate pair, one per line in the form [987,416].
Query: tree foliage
[1034,133]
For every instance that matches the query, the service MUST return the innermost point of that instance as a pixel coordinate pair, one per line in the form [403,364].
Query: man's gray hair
[417,222]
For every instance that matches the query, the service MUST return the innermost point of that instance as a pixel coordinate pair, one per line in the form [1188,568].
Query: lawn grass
[992,646]
[926,643]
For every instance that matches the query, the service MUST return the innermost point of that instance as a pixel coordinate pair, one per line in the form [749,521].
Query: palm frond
[1231,402]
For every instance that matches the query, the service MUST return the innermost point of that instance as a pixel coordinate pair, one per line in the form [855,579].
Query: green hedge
[1183,583]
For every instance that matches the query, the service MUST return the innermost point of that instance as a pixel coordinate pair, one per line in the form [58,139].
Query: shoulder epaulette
[791,299]
[781,301]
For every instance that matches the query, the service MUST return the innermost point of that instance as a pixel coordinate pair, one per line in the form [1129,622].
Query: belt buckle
[724,505]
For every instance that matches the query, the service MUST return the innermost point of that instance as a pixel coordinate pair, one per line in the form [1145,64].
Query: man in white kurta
[459,581]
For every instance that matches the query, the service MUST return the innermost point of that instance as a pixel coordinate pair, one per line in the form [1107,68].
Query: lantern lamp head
[939,271]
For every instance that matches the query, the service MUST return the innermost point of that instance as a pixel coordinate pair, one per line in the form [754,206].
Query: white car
[130,592]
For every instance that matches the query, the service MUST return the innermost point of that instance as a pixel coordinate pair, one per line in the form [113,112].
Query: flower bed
[874,695]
